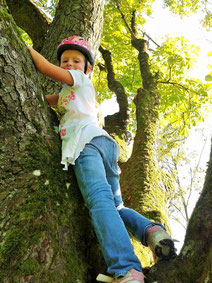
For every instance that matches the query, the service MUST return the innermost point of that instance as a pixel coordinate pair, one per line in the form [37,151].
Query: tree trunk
[46,234]
[140,178]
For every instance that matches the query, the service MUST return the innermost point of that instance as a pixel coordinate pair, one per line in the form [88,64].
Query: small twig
[125,21]
[178,209]
[144,33]
[197,166]
[177,85]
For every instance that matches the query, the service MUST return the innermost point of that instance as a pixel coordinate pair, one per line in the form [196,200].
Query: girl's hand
[48,69]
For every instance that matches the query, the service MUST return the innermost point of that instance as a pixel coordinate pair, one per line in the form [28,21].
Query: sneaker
[160,243]
[132,276]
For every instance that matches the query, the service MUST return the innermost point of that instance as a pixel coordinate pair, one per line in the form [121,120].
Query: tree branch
[145,34]
[195,171]
[133,23]
[142,46]
[178,85]
[131,30]
[121,118]
[30,19]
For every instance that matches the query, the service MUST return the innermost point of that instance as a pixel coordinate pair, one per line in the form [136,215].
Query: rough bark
[142,191]
[30,19]
[46,234]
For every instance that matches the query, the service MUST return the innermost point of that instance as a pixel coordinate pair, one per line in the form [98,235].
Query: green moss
[40,153]
[4,15]
[34,203]
[11,246]
[29,267]
[44,211]
[143,253]
[124,150]
[27,69]
[15,35]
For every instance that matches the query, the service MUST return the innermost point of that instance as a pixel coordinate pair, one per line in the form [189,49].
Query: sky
[160,24]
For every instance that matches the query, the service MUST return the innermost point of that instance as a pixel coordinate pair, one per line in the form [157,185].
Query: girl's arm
[52,99]
[49,69]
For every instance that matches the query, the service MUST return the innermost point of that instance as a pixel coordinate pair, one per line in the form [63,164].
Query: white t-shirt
[79,124]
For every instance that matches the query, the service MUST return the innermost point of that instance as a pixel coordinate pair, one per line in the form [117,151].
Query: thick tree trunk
[140,178]
[46,234]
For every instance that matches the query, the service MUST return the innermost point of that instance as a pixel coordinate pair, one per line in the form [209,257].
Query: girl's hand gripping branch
[49,69]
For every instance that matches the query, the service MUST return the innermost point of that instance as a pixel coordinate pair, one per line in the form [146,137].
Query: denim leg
[112,235]
[136,223]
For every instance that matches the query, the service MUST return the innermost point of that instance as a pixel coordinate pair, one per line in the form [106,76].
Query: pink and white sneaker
[160,243]
[132,276]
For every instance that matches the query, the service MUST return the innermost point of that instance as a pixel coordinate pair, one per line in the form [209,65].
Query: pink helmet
[76,43]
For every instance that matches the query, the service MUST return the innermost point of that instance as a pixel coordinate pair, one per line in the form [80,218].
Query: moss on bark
[48,228]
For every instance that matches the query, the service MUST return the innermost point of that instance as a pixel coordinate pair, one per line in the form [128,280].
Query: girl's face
[72,60]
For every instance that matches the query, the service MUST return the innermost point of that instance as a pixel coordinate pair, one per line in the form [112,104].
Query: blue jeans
[97,174]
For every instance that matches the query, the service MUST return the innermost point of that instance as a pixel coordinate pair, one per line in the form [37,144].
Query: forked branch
[121,118]
[30,19]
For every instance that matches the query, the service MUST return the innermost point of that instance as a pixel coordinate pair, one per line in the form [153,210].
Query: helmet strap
[86,64]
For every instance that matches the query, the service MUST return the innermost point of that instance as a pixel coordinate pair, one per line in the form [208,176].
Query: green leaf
[208,78]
